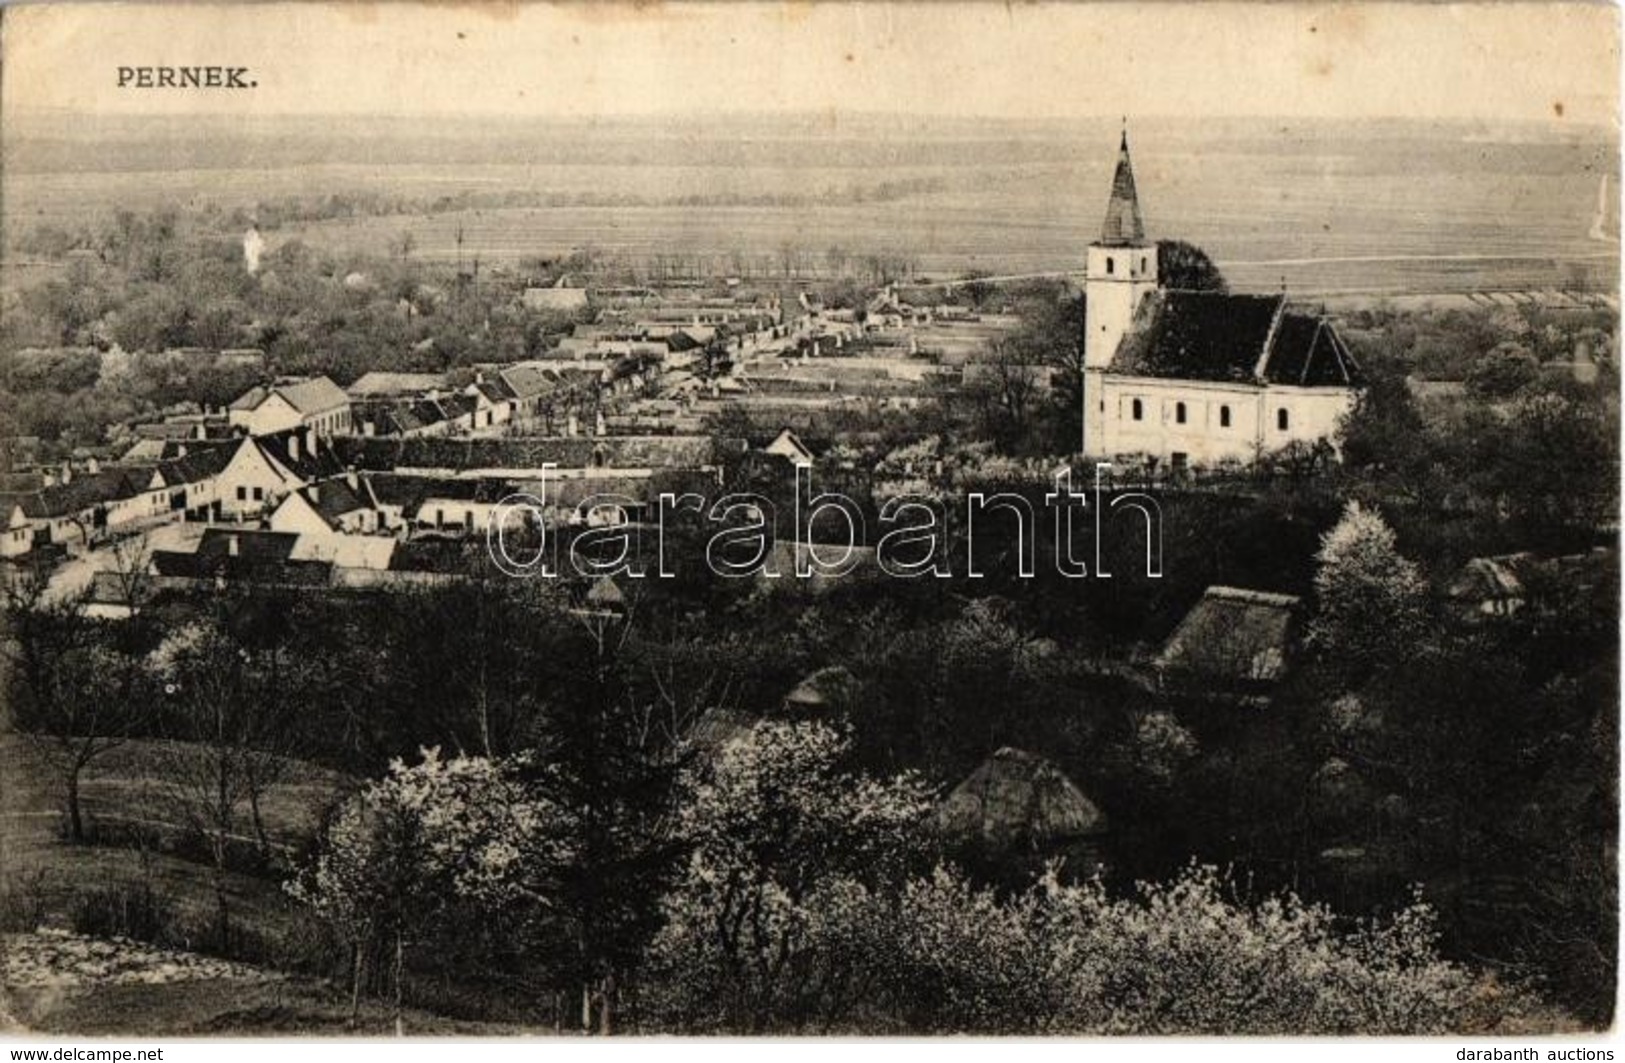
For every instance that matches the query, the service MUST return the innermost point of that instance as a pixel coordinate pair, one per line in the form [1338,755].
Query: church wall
[1204,437]
[1312,413]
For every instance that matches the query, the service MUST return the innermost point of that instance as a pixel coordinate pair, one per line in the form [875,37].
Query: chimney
[233,549]
[180,450]
[310,441]
[93,466]
[201,431]
[572,427]
[67,473]
[293,446]
[353,480]
[315,494]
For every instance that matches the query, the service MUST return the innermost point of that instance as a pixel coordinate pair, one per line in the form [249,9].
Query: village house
[264,469]
[75,510]
[315,402]
[461,507]
[1196,378]
[1234,643]
[343,504]
[495,401]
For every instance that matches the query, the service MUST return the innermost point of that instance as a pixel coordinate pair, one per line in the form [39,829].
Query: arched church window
[1138,410]
[1111,265]
[1224,417]
[1142,263]
[1179,412]
[1281,419]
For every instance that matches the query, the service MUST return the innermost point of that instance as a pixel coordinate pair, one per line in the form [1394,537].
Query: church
[1193,378]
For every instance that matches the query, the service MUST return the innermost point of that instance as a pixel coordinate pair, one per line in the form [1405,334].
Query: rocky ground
[58,958]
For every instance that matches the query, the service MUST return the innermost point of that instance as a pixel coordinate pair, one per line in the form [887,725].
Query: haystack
[1018,797]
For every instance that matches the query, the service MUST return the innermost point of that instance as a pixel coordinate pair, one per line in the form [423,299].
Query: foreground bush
[760,936]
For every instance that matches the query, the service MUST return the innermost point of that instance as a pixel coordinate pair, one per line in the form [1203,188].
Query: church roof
[1250,339]
[1123,226]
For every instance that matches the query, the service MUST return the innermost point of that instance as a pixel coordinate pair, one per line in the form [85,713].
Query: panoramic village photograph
[819,520]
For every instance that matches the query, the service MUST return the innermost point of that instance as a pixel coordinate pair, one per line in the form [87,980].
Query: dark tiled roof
[196,465]
[680,341]
[1197,336]
[496,389]
[1308,352]
[316,463]
[333,499]
[84,491]
[252,544]
[262,556]
[394,489]
[1239,338]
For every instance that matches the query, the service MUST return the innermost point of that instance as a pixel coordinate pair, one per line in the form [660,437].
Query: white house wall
[249,471]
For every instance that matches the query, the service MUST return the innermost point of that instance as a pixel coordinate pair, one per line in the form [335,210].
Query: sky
[1555,63]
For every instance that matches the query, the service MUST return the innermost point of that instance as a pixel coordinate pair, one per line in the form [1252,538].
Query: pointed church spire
[1123,226]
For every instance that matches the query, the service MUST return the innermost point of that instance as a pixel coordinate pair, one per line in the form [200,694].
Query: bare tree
[71,693]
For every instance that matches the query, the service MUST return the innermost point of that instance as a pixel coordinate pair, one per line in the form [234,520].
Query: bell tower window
[1111,265]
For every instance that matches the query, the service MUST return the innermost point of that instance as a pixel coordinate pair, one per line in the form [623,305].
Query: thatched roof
[1016,796]
[1233,635]
[827,688]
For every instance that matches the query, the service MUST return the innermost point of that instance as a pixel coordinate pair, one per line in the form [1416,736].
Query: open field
[1325,207]
[42,877]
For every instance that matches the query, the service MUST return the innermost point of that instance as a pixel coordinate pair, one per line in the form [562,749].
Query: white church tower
[1122,267]
[1121,271]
